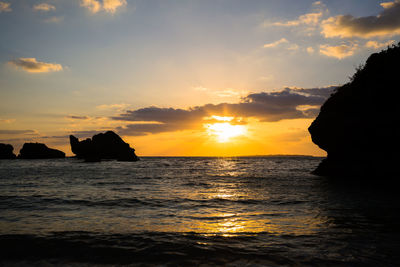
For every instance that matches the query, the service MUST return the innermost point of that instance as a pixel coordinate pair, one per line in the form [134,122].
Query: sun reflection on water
[238,208]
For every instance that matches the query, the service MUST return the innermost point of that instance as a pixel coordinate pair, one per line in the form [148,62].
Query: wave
[148,248]
[42,202]
[155,248]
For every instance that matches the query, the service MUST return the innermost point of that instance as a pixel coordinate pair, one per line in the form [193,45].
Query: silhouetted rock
[6,151]
[358,124]
[39,151]
[102,146]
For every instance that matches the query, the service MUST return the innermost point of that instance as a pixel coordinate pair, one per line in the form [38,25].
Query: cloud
[310,50]
[7,120]
[323,92]
[340,51]
[306,19]
[293,47]
[109,6]
[276,43]
[271,106]
[83,121]
[112,5]
[376,45]
[283,42]
[74,117]
[44,7]
[81,134]
[386,23]
[387,5]
[18,132]
[94,6]
[226,93]
[33,66]
[5,7]
[140,129]
[118,107]
[310,20]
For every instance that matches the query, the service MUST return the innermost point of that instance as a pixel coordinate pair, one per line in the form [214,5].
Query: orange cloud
[386,23]
[283,41]
[15,132]
[275,44]
[34,66]
[310,50]
[5,7]
[377,45]
[118,107]
[112,5]
[306,19]
[311,20]
[109,6]
[388,4]
[94,6]
[340,51]
[7,120]
[44,7]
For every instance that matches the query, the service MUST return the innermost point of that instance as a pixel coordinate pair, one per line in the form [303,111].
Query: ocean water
[244,211]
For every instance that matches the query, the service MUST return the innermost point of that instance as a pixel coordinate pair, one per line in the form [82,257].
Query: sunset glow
[225,131]
[246,80]
[221,118]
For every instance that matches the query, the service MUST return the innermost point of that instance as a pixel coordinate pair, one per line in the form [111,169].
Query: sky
[181,78]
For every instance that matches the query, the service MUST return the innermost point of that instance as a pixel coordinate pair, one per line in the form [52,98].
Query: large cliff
[358,126]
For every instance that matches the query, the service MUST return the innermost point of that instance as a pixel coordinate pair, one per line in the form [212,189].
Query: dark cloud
[77,117]
[387,23]
[55,137]
[13,140]
[85,134]
[165,115]
[268,107]
[322,92]
[145,128]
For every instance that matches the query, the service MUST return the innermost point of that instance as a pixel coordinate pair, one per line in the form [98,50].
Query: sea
[194,211]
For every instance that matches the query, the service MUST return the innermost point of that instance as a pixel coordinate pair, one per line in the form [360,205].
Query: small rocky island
[6,151]
[358,126]
[39,151]
[102,146]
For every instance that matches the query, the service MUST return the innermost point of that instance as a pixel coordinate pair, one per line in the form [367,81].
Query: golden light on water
[224,130]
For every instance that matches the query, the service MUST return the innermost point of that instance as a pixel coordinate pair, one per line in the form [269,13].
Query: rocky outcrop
[39,151]
[6,151]
[103,146]
[358,126]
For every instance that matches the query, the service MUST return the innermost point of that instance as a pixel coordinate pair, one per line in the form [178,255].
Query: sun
[224,131]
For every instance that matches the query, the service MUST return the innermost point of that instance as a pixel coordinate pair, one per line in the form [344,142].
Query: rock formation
[39,151]
[359,124]
[102,146]
[6,151]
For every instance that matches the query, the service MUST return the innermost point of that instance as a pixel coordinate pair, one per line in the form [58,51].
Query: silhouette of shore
[107,145]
